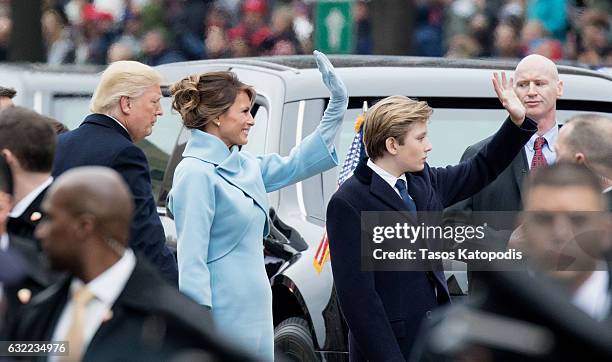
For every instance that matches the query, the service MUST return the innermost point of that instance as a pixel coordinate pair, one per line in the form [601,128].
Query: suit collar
[140,288]
[378,187]
[228,165]
[550,136]
[108,122]
[51,302]
[143,278]
[32,199]
[389,178]
[211,149]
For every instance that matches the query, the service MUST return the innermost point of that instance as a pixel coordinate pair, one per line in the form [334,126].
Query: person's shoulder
[478,145]
[475,147]
[92,135]
[194,167]
[350,191]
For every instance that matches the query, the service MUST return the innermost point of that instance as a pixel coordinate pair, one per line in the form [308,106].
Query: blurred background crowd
[163,31]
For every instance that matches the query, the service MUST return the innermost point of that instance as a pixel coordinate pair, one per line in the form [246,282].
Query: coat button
[35,216]
[24,295]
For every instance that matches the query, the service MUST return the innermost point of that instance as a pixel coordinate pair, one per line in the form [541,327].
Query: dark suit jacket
[384,309]
[503,194]
[101,141]
[36,278]
[151,321]
[23,225]
[518,297]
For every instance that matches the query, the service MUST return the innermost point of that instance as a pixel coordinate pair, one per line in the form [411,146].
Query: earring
[218,124]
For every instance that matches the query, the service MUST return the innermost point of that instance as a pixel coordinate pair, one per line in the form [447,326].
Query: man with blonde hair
[382,304]
[124,107]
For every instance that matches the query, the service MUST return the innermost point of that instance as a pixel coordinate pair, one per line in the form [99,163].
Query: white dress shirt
[106,288]
[548,150]
[4,244]
[593,296]
[389,178]
[23,204]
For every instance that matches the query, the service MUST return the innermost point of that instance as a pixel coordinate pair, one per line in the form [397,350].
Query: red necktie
[538,158]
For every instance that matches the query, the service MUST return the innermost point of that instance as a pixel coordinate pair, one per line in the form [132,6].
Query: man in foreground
[113,305]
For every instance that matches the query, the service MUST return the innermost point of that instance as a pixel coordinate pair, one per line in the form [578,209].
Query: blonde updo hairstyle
[201,98]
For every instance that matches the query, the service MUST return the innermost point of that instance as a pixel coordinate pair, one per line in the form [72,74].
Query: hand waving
[330,78]
[508,98]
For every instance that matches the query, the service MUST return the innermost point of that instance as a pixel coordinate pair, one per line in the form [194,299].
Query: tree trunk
[392,26]
[26,44]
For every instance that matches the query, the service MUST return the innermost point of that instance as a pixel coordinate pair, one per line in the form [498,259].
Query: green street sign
[334,26]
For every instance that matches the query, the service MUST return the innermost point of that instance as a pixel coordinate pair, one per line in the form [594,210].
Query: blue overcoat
[220,206]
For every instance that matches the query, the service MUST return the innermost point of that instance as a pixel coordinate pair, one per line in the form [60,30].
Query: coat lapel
[233,171]
[47,306]
[420,198]
[378,187]
[386,194]
[138,294]
[229,165]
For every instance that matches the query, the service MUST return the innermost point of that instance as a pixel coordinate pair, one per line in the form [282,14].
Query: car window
[258,133]
[450,131]
[70,109]
[159,145]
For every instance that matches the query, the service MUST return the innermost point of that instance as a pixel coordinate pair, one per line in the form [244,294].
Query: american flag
[353,156]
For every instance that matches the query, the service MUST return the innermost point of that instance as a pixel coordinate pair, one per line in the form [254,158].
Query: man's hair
[126,78]
[391,117]
[7,92]
[591,134]
[6,178]
[563,174]
[29,136]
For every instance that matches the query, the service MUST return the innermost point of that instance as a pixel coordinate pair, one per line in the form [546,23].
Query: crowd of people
[83,257]
[568,30]
[163,31]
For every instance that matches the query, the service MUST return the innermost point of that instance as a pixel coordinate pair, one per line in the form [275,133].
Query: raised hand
[508,98]
[330,78]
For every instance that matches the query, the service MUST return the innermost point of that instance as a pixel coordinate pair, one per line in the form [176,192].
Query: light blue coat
[220,206]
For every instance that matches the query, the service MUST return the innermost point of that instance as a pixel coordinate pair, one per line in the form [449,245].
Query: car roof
[41,77]
[295,63]
[387,75]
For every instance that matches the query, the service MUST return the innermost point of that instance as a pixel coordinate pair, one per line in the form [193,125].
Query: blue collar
[211,149]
